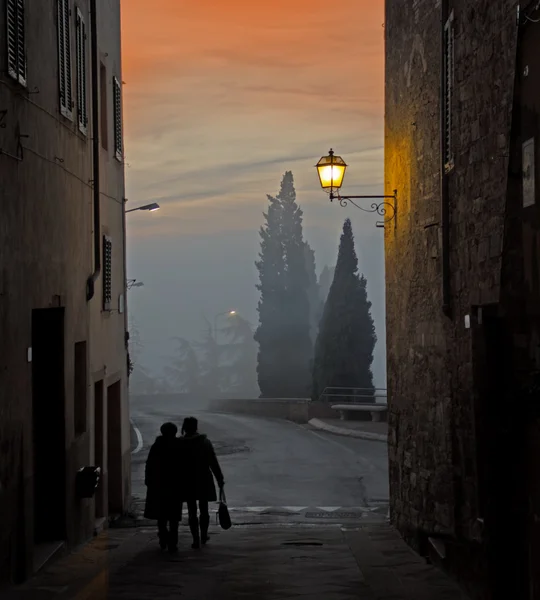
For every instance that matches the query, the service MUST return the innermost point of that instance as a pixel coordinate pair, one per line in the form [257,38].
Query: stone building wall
[431,364]
[46,258]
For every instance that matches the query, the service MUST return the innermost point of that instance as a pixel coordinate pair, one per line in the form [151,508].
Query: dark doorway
[48,415]
[99,450]
[500,459]
[114,447]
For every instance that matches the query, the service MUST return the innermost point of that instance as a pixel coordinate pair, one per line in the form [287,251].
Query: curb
[138,436]
[363,435]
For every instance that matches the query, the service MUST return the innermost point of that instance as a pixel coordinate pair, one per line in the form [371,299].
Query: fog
[189,277]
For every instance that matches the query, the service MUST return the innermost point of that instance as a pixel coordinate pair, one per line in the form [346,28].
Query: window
[80,388]
[103,106]
[15,36]
[64,59]
[107,273]
[447,93]
[82,105]
[117,95]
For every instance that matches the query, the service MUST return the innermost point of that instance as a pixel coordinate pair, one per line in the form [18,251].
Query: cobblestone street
[268,563]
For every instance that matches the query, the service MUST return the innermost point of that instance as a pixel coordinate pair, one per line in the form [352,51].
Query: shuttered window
[15,38]
[107,273]
[448,92]
[82,104]
[117,99]
[64,59]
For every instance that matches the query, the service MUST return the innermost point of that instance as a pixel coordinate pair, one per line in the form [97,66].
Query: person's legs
[163,533]
[173,535]
[204,520]
[194,523]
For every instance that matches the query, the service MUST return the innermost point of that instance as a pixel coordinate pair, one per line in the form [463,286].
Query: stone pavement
[368,562]
[366,430]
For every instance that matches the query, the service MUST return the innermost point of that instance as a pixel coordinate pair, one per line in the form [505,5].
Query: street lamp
[229,313]
[331,170]
[131,283]
[149,207]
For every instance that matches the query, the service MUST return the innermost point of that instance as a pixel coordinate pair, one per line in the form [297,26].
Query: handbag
[223,512]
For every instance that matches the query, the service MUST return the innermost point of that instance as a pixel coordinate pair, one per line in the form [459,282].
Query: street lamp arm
[384,209]
[340,197]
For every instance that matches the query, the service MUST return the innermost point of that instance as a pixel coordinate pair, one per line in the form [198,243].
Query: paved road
[277,467]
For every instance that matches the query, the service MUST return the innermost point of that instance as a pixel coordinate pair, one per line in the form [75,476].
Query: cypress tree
[283,334]
[346,340]
[296,345]
[271,267]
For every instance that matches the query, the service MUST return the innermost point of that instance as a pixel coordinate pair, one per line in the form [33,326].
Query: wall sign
[528,173]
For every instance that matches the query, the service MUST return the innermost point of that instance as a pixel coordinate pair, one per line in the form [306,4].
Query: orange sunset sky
[221,97]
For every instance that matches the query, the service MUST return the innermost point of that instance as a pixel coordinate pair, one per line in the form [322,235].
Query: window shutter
[117,99]
[107,273]
[82,105]
[448,92]
[15,37]
[64,59]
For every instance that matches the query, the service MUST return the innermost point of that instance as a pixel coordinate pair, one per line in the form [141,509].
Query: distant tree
[283,335]
[346,340]
[211,370]
[184,373]
[240,358]
[313,292]
[325,281]
[271,267]
[143,382]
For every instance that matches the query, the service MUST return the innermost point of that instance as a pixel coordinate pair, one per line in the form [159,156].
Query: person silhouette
[163,482]
[199,463]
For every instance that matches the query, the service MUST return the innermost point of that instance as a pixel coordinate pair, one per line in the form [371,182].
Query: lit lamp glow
[331,170]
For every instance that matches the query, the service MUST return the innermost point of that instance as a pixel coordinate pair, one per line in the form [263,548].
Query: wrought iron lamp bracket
[386,208]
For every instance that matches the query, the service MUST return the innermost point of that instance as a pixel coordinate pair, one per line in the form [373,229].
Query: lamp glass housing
[331,171]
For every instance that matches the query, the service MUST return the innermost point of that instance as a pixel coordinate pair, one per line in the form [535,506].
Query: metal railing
[354,394]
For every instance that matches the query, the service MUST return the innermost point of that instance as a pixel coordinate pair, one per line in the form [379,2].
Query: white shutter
[118,138]
[64,59]
[448,92]
[82,104]
[15,37]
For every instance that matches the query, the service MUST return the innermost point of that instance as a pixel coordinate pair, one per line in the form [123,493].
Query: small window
[107,273]
[117,95]
[80,389]
[64,59]
[103,107]
[82,104]
[448,92]
[15,37]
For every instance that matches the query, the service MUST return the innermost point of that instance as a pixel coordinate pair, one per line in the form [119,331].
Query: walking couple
[178,470]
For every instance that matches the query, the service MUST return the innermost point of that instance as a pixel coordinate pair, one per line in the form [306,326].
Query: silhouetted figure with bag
[163,482]
[199,463]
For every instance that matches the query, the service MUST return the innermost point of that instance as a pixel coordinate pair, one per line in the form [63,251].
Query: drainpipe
[91,282]
[445,200]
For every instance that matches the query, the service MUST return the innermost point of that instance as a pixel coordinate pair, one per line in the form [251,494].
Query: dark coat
[163,480]
[199,462]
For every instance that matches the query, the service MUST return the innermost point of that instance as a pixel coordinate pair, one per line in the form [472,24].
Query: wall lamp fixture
[331,170]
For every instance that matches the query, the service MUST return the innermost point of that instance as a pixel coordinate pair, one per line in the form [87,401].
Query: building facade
[462,139]
[63,341]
